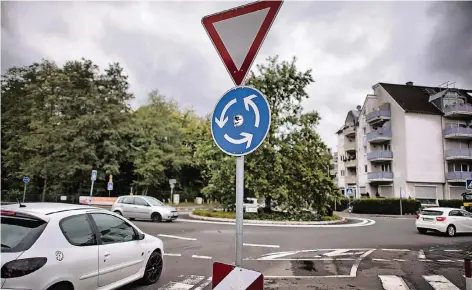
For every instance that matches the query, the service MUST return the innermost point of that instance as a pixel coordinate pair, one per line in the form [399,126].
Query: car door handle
[107,254]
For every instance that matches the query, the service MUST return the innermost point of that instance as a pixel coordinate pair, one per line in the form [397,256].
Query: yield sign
[238,33]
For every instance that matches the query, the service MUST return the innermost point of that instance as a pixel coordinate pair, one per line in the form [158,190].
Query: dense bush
[385,206]
[342,204]
[274,216]
[455,203]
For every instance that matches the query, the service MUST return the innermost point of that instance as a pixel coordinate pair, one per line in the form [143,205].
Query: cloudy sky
[349,45]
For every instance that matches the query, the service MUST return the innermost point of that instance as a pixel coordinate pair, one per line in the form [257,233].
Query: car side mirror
[140,236]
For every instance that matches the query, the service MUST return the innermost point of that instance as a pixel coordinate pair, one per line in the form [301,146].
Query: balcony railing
[350,131]
[458,154]
[351,180]
[380,176]
[350,163]
[380,155]
[380,135]
[458,176]
[458,133]
[378,116]
[457,110]
[350,146]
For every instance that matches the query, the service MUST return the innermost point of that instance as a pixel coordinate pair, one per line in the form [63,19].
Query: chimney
[410,83]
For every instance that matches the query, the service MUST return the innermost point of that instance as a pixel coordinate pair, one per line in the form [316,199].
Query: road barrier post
[468,273]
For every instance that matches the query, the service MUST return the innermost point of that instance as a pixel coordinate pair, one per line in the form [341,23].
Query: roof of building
[415,99]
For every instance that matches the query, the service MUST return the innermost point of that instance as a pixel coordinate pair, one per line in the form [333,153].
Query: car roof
[441,208]
[46,208]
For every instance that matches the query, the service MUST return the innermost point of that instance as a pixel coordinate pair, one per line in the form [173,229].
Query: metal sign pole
[239,209]
[91,191]
[24,192]
[401,210]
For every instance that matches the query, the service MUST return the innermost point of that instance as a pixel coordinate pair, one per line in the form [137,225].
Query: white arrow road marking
[222,121]
[247,138]
[248,102]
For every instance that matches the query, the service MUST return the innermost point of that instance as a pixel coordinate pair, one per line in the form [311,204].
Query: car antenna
[21,205]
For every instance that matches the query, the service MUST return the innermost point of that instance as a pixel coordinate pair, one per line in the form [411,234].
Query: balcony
[350,146]
[350,131]
[458,154]
[458,111]
[380,136]
[458,133]
[380,156]
[378,117]
[351,179]
[458,176]
[351,163]
[380,176]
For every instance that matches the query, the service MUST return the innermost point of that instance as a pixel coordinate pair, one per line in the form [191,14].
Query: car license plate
[428,219]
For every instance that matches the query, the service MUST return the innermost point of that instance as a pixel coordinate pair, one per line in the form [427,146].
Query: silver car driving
[143,207]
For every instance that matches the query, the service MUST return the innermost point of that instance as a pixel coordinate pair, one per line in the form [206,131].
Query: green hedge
[342,204]
[455,203]
[385,206]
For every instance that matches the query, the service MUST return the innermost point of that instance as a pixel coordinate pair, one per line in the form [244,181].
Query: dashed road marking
[452,250]
[396,250]
[261,245]
[172,255]
[177,237]
[391,282]
[201,257]
[421,254]
[380,260]
[446,261]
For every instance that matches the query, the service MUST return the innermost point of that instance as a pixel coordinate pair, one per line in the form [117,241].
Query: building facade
[409,141]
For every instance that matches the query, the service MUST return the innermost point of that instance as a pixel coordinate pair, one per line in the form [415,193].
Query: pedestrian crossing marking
[439,282]
[391,282]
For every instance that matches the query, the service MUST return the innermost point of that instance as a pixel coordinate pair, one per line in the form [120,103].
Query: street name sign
[238,33]
[468,184]
[240,121]
[26,179]
[230,277]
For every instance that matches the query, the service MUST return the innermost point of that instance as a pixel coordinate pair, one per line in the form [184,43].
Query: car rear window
[432,212]
[19,233]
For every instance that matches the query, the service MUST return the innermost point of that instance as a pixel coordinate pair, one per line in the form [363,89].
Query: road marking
[439,282]
[201,257]
[399,260]
[357,263]
[172,255]
[303,259]
[452,250]
[421,254]
[426,260]
[260,245]
[204,284]
[193,279]
[446,261]
[339,252]
[176,286]
[177,237]
[396,250]
[306,277]
[391,282]
[380,260]
[277,255]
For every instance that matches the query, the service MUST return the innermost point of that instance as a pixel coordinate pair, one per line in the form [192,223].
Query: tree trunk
[43,195]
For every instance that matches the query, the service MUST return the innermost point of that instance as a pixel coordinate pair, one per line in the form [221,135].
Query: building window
[365,168]
[342,172]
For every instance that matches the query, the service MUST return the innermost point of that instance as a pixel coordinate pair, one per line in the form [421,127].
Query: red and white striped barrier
[468,274]
[231,277]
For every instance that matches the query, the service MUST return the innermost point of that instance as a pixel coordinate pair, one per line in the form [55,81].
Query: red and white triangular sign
[238,33]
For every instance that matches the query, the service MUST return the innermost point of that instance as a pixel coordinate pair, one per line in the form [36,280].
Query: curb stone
[342,220]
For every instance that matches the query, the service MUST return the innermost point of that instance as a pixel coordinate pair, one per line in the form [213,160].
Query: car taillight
[7,212]
[417,216]
[22,267]
[441,218]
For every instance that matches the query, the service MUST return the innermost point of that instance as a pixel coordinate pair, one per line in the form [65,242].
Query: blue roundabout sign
[240,121]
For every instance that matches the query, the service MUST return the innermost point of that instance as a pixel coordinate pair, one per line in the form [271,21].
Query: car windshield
[432,212]
[153,201]
[19,233]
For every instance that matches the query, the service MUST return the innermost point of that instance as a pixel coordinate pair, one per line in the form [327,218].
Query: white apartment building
[408,140]
[333,167]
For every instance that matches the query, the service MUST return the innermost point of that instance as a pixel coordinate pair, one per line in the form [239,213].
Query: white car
[444,220]
[55,246]
[142,207]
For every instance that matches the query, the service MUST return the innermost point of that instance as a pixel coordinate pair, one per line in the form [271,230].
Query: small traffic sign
[172,181]
[468,184]
[26,179]
[110,185]
[238,33]
[240,121]
[94,175]
[350,192]
[230,277]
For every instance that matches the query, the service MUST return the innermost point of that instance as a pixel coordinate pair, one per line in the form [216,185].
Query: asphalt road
[387,253]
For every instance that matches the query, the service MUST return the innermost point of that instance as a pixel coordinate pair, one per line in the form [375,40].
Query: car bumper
[170,217]
[435,226]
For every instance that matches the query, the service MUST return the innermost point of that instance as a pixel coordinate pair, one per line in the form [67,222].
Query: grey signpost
[172,183]
[93,178]
[241,118]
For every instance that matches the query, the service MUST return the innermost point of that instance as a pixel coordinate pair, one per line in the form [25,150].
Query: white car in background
[55,246]
[449,221]
[142,207]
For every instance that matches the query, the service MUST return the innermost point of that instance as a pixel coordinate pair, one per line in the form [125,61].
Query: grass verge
[273,216]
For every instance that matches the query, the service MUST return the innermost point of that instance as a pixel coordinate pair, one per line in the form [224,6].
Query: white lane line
[399,260]
[261,245]
[172,255]
[177,237]
[452,250]
[339,252]
[396,250]
[204,284]
[277,255]
[303,259]
[391,282]
[380,260]
[446,261]
[201,257]
[357,263]
[421,254]
[306,277]
[439,282]
[426,260]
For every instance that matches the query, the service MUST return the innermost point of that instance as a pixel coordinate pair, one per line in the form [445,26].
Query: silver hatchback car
[143,207]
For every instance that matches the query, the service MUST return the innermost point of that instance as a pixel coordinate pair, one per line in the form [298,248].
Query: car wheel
[61,286]
[422,231]
[118,212]
[156,217]
[153,269]
[451,230]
